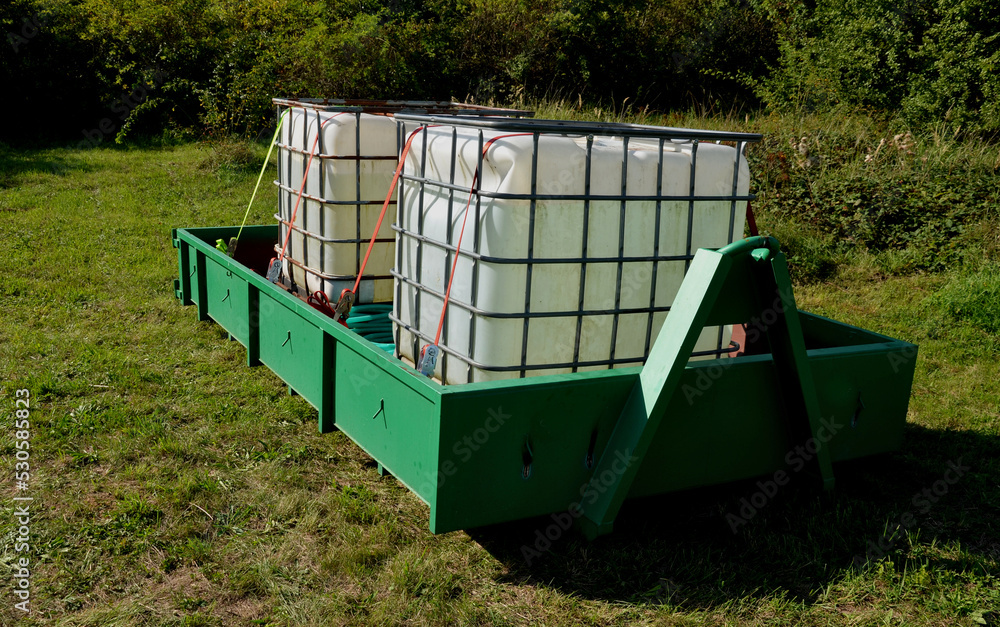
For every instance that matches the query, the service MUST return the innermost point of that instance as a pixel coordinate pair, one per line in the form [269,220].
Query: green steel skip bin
[488,452]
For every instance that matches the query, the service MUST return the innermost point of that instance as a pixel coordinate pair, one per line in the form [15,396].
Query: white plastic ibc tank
[504,232]
[349,177]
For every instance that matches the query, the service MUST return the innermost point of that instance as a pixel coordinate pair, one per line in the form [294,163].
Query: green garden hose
[372,323]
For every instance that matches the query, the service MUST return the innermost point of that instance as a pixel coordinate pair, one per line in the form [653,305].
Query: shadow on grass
[16,163]
[685,549]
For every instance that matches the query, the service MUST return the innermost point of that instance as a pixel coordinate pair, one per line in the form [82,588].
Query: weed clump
[229,155]
[972,299]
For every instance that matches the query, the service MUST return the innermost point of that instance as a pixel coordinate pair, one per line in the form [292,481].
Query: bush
[114,69]
[934,60]
[382,55]
[869,188]
[94,70]
[959,69]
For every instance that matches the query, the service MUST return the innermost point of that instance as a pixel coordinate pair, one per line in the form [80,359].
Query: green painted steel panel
[227,300]
[710,433]
[291,346]
[487,432]
[717,437]
[391,420]
[182,285]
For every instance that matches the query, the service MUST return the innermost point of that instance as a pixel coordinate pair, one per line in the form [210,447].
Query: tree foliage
[935,61]
[101,70]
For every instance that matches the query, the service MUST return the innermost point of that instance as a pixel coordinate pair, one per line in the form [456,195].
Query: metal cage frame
[409,123]
[287,191]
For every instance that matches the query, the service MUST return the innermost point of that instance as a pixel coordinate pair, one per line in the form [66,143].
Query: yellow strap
[267,159]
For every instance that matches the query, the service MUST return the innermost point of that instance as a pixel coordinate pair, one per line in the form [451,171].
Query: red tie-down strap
[429,353]
[348,295]
[274,268]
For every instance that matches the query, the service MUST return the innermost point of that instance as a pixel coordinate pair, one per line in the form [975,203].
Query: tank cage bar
[398,106]
[288,190]
[409,122]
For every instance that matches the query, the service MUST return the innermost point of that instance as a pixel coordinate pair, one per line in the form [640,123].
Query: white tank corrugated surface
[329,209]
[504,232]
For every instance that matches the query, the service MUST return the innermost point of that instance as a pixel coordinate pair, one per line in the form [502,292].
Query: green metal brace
[745,281]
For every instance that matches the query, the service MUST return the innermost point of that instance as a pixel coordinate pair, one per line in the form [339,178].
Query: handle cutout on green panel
[857,411]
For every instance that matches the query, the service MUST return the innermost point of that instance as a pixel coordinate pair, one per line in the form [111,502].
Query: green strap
[263,167]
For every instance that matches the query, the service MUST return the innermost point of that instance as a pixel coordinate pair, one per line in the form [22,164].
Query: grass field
[173,485]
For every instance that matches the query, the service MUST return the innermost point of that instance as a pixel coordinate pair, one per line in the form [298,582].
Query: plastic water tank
[552,271]
[350,174]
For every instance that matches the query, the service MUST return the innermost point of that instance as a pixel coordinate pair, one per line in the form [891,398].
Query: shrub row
[930,61]
[143,66]
[101,69]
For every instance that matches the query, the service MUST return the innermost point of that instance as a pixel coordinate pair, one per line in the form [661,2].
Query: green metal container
[484,453]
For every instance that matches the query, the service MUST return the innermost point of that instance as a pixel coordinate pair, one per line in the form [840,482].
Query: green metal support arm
[743,281]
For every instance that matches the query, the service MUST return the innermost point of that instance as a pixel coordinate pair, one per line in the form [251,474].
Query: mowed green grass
[173,485]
